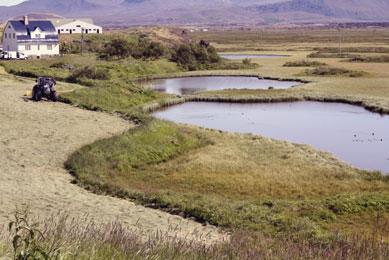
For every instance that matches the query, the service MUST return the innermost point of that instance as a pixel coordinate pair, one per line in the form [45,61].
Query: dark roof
[19,26]
[47,39]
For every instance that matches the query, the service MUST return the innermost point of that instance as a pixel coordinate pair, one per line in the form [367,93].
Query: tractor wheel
[54,96]
[36,94]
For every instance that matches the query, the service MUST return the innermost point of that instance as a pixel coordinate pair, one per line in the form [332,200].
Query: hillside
[134,12]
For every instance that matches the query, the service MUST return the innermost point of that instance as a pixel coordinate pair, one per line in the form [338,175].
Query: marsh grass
[331,55]
[353,49]
[304,63]
[332,71]
[370,59]
[227,180]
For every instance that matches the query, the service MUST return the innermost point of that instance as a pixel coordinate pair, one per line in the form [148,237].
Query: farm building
[24,38]
[74,26]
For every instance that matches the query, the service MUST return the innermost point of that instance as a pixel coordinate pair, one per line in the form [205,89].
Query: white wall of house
[33,49]
[10,43]
[77,26]
[37,34]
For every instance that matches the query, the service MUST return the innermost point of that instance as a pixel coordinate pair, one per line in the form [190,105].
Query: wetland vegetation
[267,193]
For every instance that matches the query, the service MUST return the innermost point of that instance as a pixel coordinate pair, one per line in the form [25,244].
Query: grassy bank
[230,180]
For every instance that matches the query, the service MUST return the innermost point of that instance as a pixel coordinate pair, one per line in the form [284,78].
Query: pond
[353,134]
[191,85]
[229,56]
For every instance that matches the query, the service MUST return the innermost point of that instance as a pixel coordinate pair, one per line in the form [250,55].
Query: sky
[10,2]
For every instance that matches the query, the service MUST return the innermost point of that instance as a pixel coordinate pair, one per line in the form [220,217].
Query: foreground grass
[67,238]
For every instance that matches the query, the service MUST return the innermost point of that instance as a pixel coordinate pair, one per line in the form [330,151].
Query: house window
[74,30]
[5,36]
[39,47]
[49,47]
[28,47]
[14,36]
[37,35]
[62,30]
[78,26]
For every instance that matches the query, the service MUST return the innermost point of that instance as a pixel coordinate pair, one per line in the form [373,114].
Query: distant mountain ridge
[143,12]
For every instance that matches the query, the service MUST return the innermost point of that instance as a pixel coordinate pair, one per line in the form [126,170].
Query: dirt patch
[36,139]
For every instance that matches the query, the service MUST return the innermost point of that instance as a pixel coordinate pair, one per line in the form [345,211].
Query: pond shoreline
[312,123]
[198,75]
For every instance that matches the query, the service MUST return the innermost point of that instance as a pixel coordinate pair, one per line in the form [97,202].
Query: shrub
[196,56]
[246,61]
[140,49]
[88,72]
[62,65]
[154,50]
[117,48]
[70,48]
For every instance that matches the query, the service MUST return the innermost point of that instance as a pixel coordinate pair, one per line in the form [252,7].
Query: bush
[70,48]
[196,56]
[62,65]
[117,48]
[88,72]
[140,49]
[246,61]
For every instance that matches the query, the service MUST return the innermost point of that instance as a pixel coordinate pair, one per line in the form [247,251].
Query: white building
[71,26]
[26,38]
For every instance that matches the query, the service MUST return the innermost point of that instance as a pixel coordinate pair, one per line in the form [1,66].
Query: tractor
[45,87]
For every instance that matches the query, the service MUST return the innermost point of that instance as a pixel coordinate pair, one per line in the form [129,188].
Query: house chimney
[25,20]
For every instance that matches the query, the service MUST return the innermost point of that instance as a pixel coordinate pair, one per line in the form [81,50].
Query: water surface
[352,133]
[250,56]
[190,85]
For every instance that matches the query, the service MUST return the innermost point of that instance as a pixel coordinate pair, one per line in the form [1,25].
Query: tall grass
[86,239]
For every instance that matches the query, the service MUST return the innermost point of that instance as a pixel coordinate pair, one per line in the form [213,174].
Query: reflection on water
[190,85]
[352,133]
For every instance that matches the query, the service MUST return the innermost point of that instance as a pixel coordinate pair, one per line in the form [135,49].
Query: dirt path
[35,140]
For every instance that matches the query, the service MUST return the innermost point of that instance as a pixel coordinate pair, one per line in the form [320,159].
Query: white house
[30,38]
[72,26]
